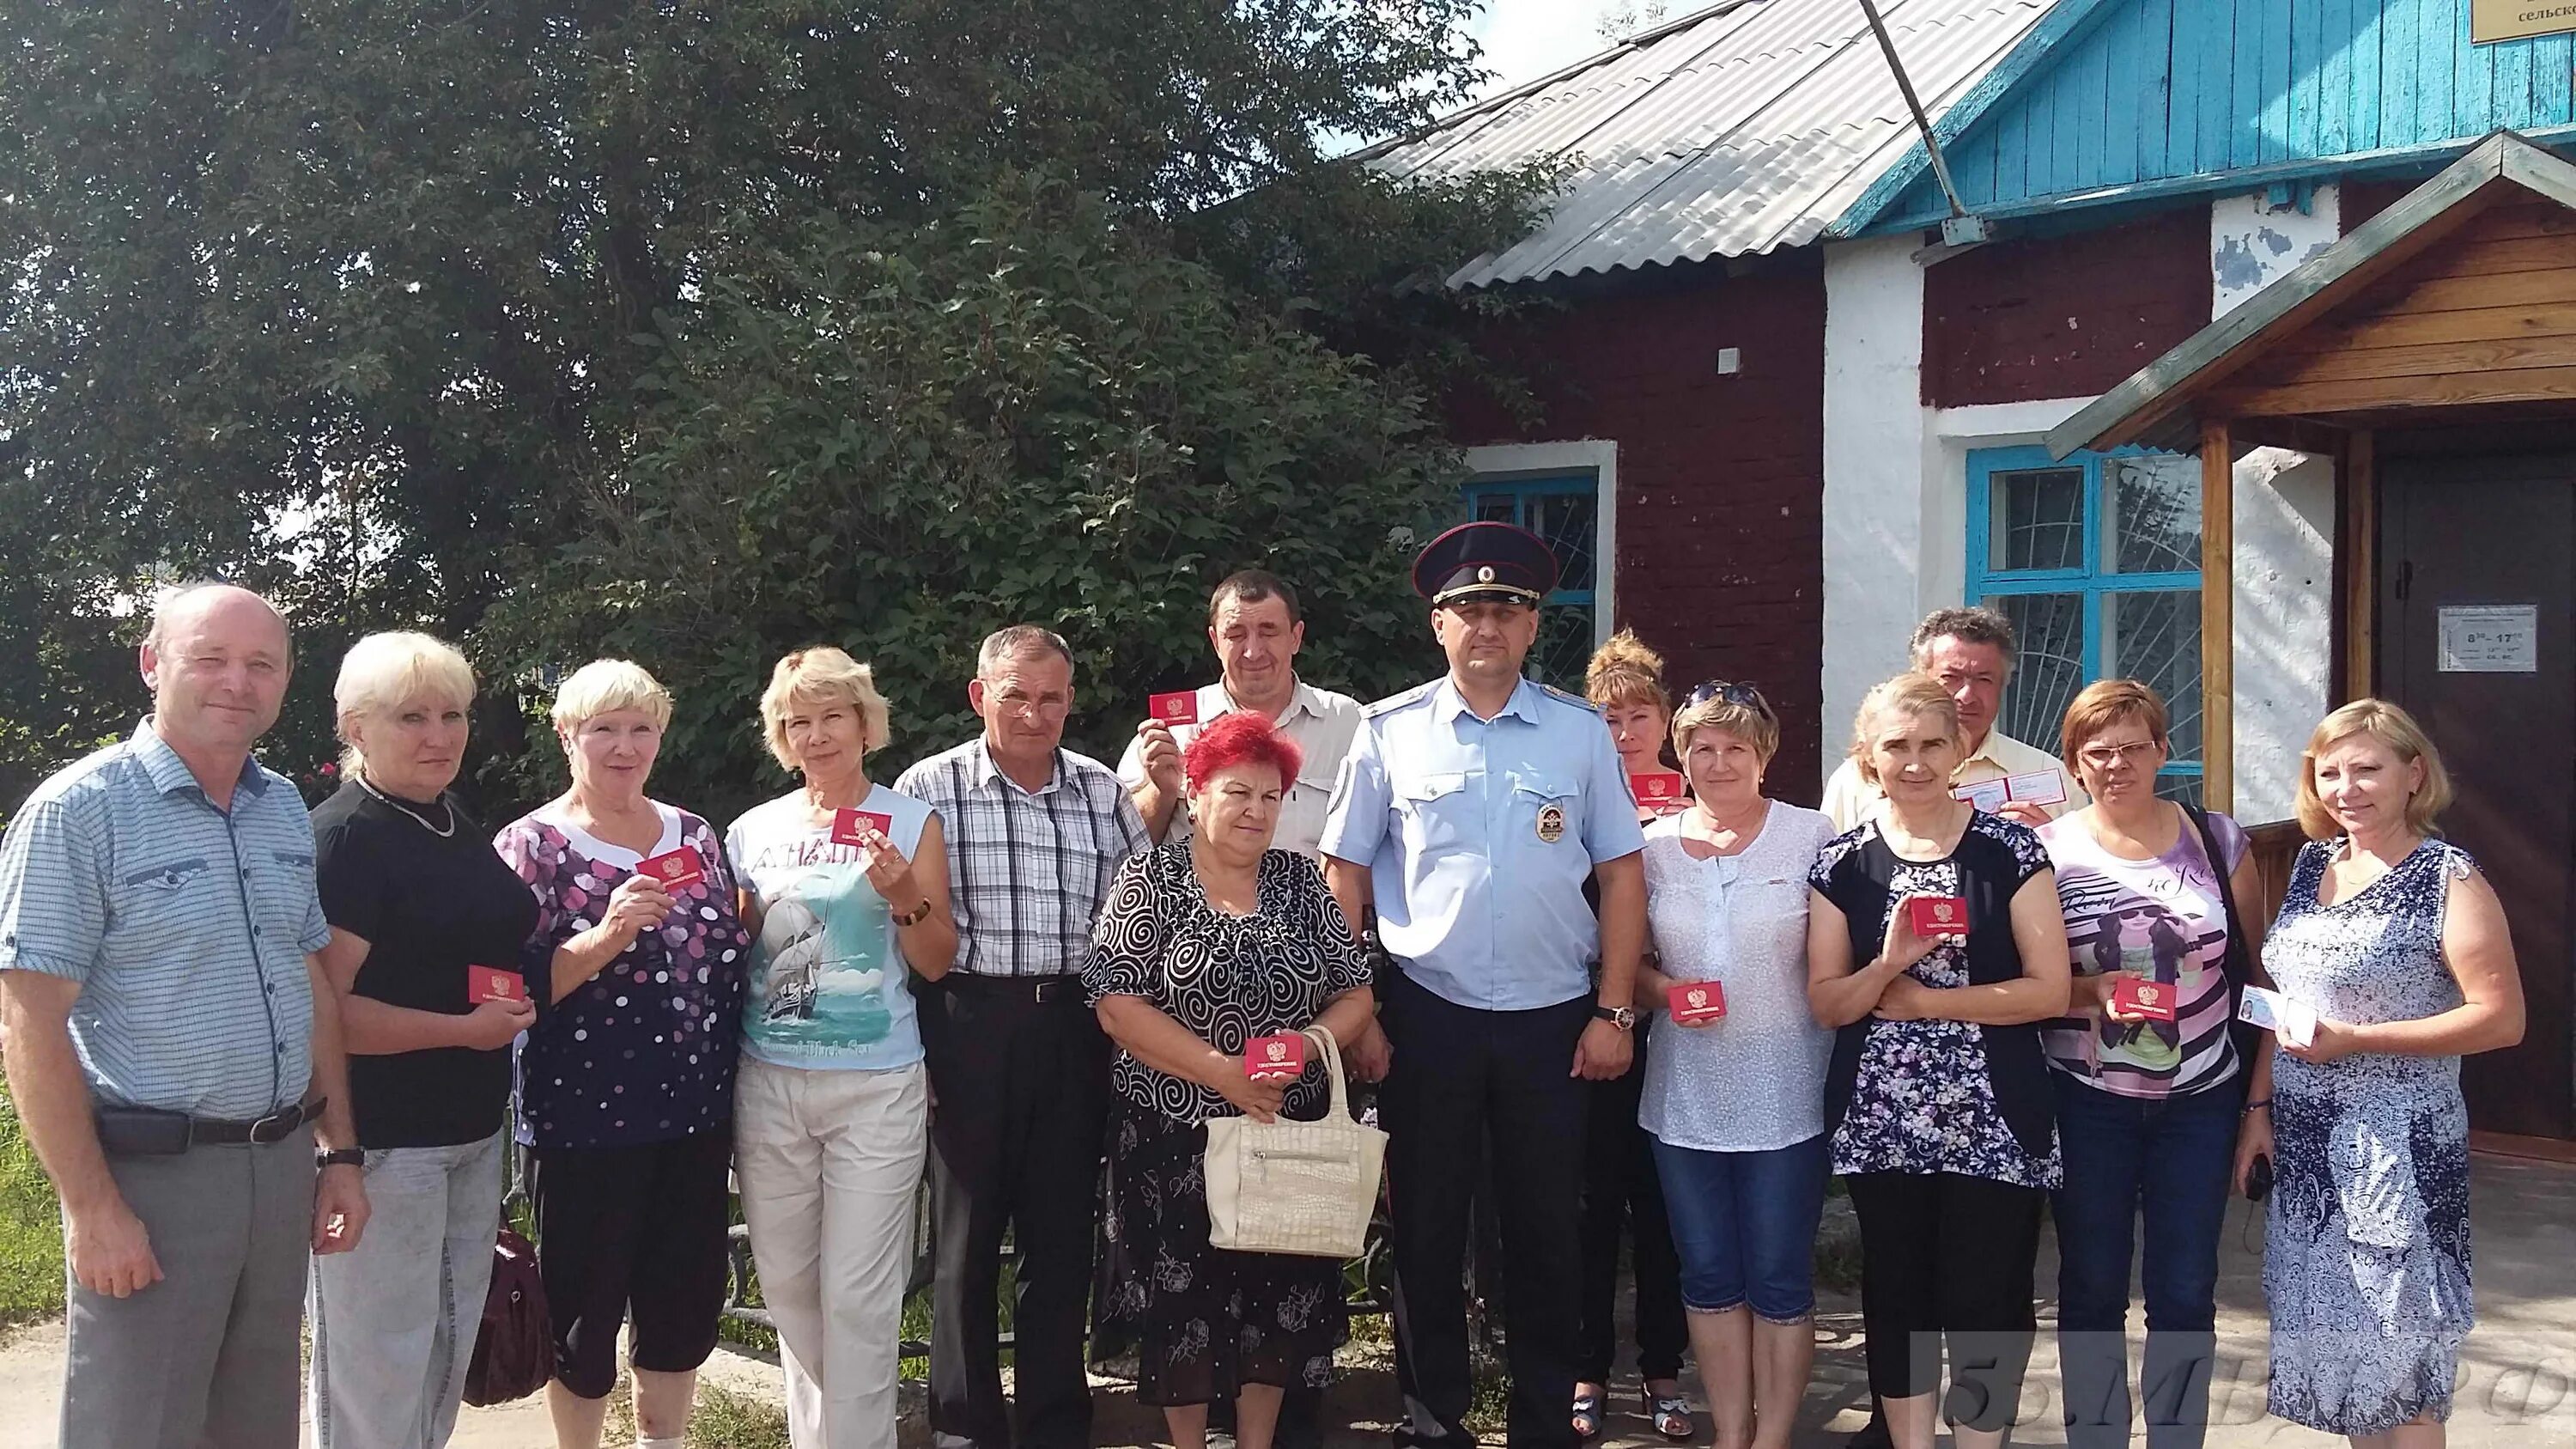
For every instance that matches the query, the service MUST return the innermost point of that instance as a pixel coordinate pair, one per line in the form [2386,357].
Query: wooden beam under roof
[2156,405]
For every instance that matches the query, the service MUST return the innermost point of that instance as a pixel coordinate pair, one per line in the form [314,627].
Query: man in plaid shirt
[1019,1069]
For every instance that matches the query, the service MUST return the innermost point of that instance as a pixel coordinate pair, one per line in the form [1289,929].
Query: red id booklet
[1696,1003]
[675,868]
[491,983]
[1275,1058]
[846,825]
[2137,996]
[1657,790]
[1178,708]
[1937,915]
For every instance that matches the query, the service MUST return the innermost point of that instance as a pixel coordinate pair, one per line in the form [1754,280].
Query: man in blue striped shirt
[173,1051]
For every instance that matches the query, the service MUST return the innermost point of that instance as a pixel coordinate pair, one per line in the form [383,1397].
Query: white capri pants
[828,1163]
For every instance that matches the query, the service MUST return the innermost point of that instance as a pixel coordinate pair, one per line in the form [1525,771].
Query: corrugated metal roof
[1749,126]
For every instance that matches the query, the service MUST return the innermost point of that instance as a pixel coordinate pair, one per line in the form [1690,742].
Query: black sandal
[1672,1417]
[1587,1416]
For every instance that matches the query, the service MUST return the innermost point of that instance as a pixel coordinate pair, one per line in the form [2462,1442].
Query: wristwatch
[916,915]
[1622,1017]
[340,1157]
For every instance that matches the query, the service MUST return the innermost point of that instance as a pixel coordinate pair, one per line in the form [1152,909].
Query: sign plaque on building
[2494,20]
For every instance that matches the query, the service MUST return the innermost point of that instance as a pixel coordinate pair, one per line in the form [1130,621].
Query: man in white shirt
[1257,628]
[1971,651]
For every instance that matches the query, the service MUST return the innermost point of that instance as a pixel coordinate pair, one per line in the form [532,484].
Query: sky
[1526,39]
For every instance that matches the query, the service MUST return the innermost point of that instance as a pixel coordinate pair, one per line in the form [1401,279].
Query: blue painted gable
[2139,98]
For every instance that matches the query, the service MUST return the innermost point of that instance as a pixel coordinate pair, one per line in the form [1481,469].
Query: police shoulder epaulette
[1398,701]
[1563,697]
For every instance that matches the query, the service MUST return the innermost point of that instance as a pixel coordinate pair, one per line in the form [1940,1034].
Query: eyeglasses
[2108,757]
[1744,696]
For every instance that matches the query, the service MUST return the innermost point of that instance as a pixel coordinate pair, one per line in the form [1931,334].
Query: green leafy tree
[398,311]
[1030,413]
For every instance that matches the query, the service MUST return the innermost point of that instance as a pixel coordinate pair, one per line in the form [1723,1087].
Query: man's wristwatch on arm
[1622,1017]
[340,1157]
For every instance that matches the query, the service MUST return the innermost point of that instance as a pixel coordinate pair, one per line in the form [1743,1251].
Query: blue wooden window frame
[1524,492]
[1558,657]
[2090,580]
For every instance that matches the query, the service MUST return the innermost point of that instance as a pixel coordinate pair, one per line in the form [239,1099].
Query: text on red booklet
[846,825]
[1275,1058]
[2138,996]
[1656,788]
[675,868]
[1696,1003]
[491,983]
[1936,915]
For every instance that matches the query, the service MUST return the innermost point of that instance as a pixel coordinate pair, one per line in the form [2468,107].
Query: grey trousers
[210,1357]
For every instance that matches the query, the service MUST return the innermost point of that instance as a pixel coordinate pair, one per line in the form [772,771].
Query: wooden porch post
[2217,615]
[2358,550]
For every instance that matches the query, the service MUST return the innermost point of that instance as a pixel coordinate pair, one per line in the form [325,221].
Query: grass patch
[31,1229]
[727,1420]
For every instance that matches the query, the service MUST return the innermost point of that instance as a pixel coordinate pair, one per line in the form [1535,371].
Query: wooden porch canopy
[2455,305]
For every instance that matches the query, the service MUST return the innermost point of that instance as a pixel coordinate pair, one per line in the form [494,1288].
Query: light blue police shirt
[1478,835]
[186,926]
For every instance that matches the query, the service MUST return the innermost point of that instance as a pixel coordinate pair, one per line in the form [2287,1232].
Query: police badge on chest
[1551,823]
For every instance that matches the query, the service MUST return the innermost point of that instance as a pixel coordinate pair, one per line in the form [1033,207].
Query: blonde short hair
[1911,695]
[1624,671]
[384,671]
[821,675]
[1757,724]
[2404,738]
[606,685]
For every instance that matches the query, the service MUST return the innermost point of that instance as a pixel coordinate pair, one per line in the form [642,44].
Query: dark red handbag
[514,1354]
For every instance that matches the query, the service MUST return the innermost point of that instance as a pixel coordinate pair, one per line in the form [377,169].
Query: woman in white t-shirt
[1735,1104]
[845,884]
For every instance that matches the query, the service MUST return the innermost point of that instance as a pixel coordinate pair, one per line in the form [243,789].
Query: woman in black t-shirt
[426,927]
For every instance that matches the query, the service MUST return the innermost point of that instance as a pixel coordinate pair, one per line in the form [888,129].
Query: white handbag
[1295,1187]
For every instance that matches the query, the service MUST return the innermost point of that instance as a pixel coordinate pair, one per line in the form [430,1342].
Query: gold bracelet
[916,915]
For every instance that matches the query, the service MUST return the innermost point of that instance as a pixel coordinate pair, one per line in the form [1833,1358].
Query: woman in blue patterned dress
[1943,1120]
[2398,944]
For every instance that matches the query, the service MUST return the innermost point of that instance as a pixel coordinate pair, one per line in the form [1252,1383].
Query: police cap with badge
[1485,563]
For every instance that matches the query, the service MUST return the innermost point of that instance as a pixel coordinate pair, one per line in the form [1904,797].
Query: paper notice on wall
[2489,639]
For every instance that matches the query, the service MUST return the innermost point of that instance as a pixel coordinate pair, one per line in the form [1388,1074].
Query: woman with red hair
[1204,946]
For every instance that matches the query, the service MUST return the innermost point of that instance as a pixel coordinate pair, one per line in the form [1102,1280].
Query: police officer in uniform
[1467,815]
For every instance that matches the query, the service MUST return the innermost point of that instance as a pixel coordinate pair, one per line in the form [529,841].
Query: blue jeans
[1744,1226]
[2171,1158]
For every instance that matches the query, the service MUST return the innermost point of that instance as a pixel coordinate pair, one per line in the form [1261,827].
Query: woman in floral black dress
[1938,1098]
[1202,947]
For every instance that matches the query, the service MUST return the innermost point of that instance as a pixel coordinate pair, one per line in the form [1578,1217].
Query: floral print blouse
[1923,1100]
[644,1051]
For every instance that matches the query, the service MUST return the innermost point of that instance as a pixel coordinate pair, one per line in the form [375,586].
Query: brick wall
[2063,316]
[1721,478]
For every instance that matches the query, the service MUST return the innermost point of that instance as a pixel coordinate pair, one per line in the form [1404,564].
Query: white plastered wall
[1880,577]
[1896,489]
[2285,510]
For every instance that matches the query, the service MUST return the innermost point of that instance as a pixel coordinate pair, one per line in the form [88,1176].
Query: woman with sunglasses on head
[1734,1103]
[1621,1194]
[2163,920]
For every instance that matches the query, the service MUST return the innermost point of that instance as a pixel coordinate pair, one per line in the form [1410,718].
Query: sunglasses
[1743,696]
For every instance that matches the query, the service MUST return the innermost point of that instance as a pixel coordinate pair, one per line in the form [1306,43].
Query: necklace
[422,820]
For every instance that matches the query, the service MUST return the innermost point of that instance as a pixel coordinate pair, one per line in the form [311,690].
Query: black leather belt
[1039,989]
[277,1126]
[149,1132]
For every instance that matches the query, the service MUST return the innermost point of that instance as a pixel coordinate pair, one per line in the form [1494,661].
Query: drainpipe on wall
[1961,228]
